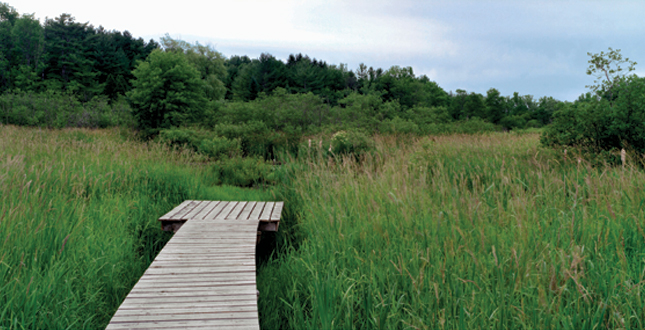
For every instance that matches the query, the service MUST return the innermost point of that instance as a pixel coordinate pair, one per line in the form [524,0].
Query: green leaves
[606,68]
[167,92]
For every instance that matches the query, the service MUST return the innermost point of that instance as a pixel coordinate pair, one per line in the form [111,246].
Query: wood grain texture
[204,277]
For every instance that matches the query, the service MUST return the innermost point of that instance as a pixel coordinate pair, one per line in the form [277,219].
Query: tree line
[65,56]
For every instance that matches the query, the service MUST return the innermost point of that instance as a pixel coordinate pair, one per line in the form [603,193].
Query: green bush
[514,121]
[397,125]
[256,138]
[351,142]
[58,110]
[600,124]
[202,141]
[242,172]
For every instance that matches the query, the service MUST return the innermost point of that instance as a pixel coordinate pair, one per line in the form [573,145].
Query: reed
[78,227]
[458,232]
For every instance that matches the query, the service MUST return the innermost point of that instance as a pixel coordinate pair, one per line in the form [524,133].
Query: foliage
[206,60]
[242,172]
[398,125]
[606,68]
[168,92]
[202,141]
[79,220]
[351,142]
[457,232]
[59,110]
[611,120]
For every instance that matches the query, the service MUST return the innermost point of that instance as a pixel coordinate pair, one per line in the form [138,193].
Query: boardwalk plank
[181,215]
[182,324]
[122,314]
[257,211]
[206,210]
[174,211]
[214,213]
[226,211]
[266,213]
[247,211]
[204,277]
[237,210]
[277,211]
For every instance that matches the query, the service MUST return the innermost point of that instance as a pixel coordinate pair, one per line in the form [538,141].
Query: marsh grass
[78,227]
[458,232]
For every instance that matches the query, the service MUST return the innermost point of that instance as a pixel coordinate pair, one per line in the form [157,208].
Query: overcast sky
[531,47]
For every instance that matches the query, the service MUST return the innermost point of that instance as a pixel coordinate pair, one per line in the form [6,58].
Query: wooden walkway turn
[204,277]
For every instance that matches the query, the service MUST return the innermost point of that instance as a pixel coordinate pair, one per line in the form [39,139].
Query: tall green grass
[458,232]
[78,227]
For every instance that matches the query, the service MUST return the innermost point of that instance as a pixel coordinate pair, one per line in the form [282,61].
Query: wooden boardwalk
[205,275]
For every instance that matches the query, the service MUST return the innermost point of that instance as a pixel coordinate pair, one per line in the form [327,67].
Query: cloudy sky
[531,47]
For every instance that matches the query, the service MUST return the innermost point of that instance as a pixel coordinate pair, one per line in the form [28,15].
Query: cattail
[623,156]
[565,154]
[330,147]
[310,143]
[320,144]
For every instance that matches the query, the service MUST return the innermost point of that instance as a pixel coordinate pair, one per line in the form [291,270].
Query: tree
[167,92]
[8,17]
[262,75]
[612,119]
[208,61]
[494,106]
[27,51]
[71,56]
[606,68]
[474,106]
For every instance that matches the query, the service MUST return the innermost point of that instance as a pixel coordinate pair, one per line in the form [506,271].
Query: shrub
[242,172]
[473,126]
[202,141]
[351,142]
[59,110]
[600,124]
[256,138]
[514,121]
[397,125]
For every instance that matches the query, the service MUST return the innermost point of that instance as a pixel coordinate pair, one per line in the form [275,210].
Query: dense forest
[85,76]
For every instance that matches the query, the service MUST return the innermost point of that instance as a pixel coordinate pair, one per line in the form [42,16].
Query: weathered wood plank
[198,208]
[144,306]
[205,275]
[212,214]
[174,211]
[206,210]
[223,315]
[226,211]
[172,301]
[165,300]
[181,215]
[122,314]
[196,283]
[277,211]
[266,213]
[257,211]
[247,211]
[182,324]
[237,210]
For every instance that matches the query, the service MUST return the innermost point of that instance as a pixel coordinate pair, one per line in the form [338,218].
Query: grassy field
[446,232]
[78,227]
[458,232]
